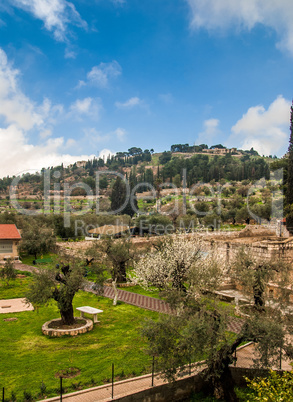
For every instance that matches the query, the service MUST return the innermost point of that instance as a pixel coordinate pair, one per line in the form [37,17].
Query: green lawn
[28,357]
[152,292]
[28,260]
[17,287]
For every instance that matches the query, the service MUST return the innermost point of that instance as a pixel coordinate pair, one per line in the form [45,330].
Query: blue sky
[85,78]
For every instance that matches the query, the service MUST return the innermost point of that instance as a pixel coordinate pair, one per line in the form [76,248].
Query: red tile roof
[8,231]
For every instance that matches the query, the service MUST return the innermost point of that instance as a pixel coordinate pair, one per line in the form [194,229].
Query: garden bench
[89,310]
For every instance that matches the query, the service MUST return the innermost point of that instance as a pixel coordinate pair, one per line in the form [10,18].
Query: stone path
[147,302]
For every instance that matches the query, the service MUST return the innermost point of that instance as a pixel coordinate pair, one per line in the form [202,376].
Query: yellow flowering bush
[277,387]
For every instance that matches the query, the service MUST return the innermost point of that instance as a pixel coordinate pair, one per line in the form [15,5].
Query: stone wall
[183,389]
[262,250]
[179,391]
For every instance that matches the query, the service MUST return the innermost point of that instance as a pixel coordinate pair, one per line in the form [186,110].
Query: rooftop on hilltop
[9,231]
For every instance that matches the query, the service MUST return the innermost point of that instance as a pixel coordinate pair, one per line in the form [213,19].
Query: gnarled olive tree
[60,285]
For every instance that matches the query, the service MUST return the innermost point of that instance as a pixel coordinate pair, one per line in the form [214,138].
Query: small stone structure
[260,242]
[72,332]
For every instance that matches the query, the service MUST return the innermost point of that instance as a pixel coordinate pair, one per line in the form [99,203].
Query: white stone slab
[14,306]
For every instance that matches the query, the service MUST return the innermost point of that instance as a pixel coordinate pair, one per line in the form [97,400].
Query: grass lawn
[16,288]
[152,292]
[28,260]
[29,358]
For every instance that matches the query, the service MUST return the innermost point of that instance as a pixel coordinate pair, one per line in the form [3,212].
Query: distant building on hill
[220,151]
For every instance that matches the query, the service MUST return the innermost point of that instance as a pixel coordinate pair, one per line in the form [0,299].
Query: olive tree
[8,272]
[37,239]
[60,285]
[200,327]
[113,255]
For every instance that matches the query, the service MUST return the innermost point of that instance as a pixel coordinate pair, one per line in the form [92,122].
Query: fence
[116,376]
[117,373]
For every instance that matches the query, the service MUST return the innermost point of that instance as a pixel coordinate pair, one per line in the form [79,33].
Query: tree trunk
[115,292]
[67,316]
[220,374]
[224,387]
[121,274]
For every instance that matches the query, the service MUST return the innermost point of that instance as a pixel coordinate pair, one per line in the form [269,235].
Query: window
[5,246]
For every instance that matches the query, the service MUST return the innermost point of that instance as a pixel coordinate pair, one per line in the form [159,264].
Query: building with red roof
[9,239]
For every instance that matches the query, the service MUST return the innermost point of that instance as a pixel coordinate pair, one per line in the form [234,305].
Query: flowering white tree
[177,261]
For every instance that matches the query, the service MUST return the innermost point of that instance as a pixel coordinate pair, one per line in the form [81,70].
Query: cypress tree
[118,198]
[289,192]
[289,189]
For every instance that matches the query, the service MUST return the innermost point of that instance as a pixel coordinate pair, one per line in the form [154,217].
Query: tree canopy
[60,285]
[200,326]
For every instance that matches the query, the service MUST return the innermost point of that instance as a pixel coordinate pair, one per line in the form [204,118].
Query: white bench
[89,310]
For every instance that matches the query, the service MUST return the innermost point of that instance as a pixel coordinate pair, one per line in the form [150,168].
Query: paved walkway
[245,355]
[147,302]
[121,388]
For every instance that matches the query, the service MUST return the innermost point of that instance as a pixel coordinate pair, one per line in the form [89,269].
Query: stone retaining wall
[262,250]
[183,389]
[179,391]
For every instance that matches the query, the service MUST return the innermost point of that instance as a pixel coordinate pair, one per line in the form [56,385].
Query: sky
[89,78]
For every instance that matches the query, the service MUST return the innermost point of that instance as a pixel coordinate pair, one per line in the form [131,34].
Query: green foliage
[165,157]
[276,387]
[156,223]
[60,285]
[37,239]
[254,275]
[7,273]
[115,255]
[121,200]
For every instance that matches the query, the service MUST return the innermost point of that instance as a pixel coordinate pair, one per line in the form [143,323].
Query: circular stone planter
[73,332]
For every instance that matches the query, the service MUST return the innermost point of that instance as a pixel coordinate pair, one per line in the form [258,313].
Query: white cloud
[105,153]
[101,74]
[87,106]
[45,134]
[17,155]
[120,133]
[265,130]
[56,14]
[94,137]
[210,133]
[15,107]
[20,116]
[130,103]
[69,54]
[245,14]
[70,143]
